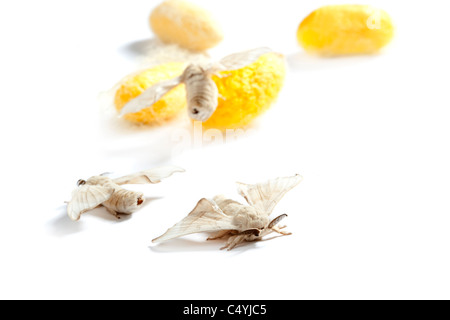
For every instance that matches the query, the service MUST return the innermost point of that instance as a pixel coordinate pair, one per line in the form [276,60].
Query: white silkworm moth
[103,191]
[201,91]
[235,221]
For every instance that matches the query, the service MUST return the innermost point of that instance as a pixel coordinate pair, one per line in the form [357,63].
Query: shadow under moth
[104,191]
[235,221]
[201,91]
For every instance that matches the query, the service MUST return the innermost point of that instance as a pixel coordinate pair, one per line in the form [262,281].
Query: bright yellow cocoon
[345,29]
[244,94]
[248,92]
[165,109]
[183,23]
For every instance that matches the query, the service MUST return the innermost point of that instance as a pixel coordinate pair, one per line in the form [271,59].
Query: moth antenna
[275,221]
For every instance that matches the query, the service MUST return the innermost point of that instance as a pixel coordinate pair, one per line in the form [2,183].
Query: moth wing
[148,176]
[265,196]
[86,198]
[206,217]
[239,60]
[150,96]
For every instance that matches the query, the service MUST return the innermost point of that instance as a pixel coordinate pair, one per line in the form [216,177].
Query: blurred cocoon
[345,30]
[186,24]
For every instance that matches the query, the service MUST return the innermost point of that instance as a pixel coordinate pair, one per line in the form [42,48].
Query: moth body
[201,92]
[245,217]
[124,201]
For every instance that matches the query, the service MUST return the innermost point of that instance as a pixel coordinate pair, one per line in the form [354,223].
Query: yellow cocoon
[165,109]
[244,94]
[345,29]
[183,23]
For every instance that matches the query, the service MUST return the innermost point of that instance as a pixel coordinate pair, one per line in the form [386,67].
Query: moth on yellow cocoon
[345,29]
[246,93]
[168,108]
[183,23]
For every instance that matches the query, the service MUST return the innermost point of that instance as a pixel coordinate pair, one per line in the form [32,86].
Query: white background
[370,135]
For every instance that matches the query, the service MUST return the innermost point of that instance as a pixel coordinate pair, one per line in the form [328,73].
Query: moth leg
[238,240]
[278,230]
[219,235]
[233,241]
[230,239]
[114,213]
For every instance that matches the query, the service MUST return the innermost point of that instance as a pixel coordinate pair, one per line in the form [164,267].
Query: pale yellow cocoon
[345,29]
[183,23]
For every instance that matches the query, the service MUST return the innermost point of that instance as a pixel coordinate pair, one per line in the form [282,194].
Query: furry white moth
[236,221]
[107,192]
[201,91]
